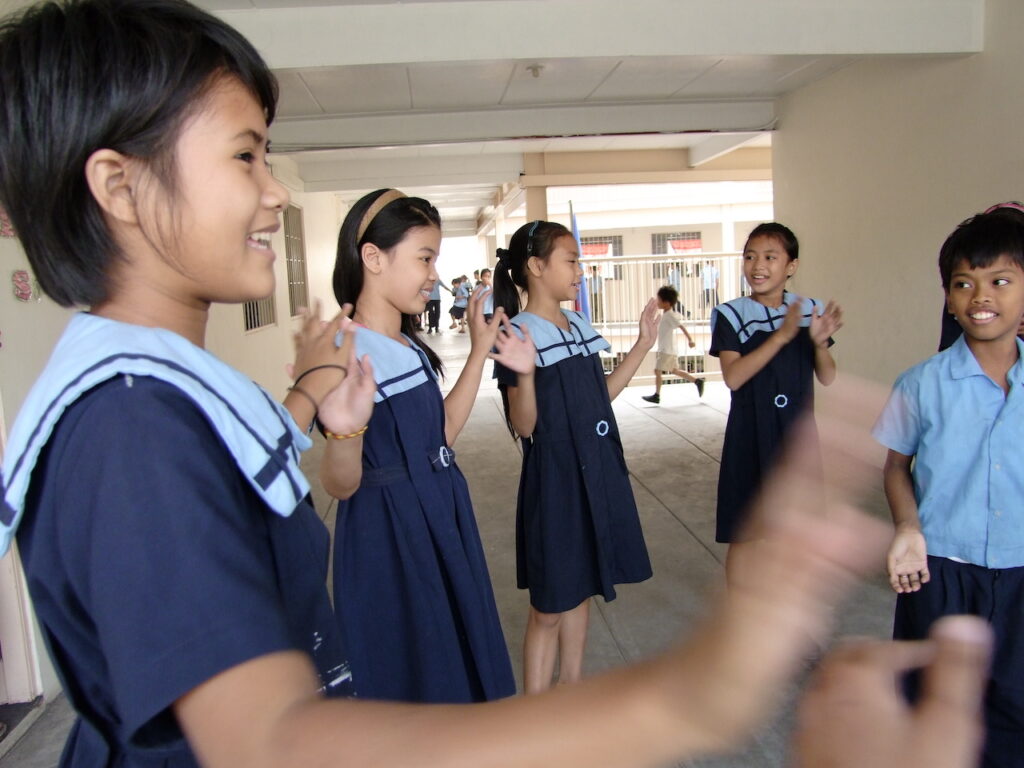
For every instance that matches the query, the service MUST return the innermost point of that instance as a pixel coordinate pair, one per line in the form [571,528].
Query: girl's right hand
[316,348]
[648,325]
[347,408]
[515,353]
[791,323]
[482,333]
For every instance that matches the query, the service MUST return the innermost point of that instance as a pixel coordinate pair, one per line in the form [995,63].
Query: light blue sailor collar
[260,434]
[748,316]
[555,344]
[396,367]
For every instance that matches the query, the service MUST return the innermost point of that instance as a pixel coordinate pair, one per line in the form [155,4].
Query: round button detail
[602,428]
[444,455]
[781,401]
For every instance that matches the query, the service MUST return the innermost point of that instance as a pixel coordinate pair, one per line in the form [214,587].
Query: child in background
[411,586]
[771,345]
[228,662]
[461,292]
[668,355]
[954,473]
[577,529]
[485,279]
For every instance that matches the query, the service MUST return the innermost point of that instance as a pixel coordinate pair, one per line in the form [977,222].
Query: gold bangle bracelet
[357,433]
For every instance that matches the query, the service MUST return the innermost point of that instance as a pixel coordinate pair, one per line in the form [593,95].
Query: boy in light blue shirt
[954,474]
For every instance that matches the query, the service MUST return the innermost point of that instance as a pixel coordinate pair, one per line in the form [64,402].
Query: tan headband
[378,205]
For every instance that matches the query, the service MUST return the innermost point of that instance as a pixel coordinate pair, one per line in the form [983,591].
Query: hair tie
[378,205]
[1009,204]
[504,262]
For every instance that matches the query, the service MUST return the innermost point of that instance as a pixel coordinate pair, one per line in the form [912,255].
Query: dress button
[602,428]
[998,513]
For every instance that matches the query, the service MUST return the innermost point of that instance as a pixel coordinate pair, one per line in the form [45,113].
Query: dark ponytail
[534,239]
[385,230]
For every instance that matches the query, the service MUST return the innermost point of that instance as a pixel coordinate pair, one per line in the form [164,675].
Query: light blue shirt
[969,464]
[435,292]
[461,295]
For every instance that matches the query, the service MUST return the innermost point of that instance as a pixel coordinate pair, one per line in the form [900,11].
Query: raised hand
[347,408]
[791,322]
[907,561]
[482,333]
[648,325]
[825,324]
[515,353]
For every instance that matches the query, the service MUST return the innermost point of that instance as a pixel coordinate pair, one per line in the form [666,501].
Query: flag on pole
[582,303]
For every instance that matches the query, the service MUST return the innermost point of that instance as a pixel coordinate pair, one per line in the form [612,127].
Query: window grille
[673,243]
[295,260]
[615,241]
[259,313]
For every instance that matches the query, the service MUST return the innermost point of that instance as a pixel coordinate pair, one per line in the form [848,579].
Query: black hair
[486,271]
[981,240]
[536,238]
[668,294]
[386,230]
[780,232]
[81,75]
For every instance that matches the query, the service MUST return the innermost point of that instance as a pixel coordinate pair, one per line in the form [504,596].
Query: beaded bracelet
[357,433]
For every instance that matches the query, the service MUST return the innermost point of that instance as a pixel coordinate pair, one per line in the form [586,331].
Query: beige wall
[876,164]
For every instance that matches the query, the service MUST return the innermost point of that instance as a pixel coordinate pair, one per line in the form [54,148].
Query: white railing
[624,284]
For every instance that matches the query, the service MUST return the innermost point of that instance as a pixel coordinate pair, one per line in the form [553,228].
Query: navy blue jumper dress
[763,409]
[578,531]
[411,586]
[166,534]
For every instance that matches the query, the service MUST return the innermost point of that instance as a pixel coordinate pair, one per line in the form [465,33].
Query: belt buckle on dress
[444,458]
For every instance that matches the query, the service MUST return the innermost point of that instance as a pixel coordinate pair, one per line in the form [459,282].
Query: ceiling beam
[290,135]
[333,35]
[641,177]
[718,145]
[483,170]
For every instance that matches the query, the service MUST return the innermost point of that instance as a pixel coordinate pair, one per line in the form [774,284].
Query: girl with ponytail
[411,586]
[577,528]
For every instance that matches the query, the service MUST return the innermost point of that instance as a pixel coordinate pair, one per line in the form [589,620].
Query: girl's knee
[545,620]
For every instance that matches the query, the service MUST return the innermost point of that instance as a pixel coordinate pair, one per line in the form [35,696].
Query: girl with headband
[577,528]
[411,585]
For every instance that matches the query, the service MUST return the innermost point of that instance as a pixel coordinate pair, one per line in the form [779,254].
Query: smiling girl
[771,344]
[577,528]
[410,581]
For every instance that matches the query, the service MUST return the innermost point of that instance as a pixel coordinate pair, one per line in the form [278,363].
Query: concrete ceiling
[444,97]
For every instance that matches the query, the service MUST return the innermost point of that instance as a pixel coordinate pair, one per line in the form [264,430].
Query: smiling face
[767,267]
[559,276]
[213,234]
[409,270]
[988,302]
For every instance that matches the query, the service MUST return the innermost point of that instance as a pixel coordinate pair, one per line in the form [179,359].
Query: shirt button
[998,467]
[999,513]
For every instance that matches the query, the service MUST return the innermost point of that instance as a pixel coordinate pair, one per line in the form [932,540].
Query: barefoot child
[771,345]
[577,528]
[668,354]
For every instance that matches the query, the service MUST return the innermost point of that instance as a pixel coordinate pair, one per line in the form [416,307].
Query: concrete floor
[673,451]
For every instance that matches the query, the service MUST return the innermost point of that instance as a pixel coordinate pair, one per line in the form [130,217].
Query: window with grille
[295,260]
[608,245]
[260,313]
[673,243]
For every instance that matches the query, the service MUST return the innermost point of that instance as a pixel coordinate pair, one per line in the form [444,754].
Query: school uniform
[166,533]
[458,309]
[578,532]
[411,585]
[763,409]
[434,309]
[964,434]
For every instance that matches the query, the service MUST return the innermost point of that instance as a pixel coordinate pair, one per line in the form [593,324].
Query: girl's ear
[112,179]
[372,257]
[534,266]
[791,267]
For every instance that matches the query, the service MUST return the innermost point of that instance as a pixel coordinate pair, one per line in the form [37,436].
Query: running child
[668,354]
[461,293]
[954,472]
[411,586]
[175,565]
[771,344]
[577,528]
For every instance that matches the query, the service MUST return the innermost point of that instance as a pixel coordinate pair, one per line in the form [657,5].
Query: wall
[876,164]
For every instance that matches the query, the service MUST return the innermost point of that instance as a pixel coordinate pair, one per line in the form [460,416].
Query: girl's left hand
[825,324]
[515,353]
[648,325]
[482,333]
[316,347]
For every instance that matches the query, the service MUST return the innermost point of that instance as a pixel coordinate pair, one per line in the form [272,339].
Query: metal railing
[619,287]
